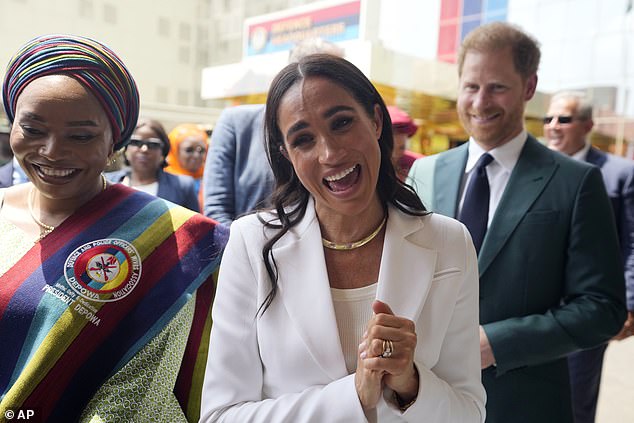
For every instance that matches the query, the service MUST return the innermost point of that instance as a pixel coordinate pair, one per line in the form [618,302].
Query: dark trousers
[585,377]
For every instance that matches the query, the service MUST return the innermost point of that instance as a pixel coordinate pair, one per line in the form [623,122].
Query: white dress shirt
[498,171]
[582,154]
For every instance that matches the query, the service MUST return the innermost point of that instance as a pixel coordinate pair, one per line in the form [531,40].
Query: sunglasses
[192,150]
[151,143]
[563,120]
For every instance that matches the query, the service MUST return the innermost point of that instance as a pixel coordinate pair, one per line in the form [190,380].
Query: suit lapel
[407,266]
[407,269]
[165,190]
[305,290]
[529,178]
[448,174]
[596,157]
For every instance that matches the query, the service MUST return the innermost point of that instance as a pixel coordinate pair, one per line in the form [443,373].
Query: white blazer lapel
[305,290]
[407,269]
[407,266]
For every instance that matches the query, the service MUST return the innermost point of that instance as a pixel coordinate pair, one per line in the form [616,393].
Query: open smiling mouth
[485,119]
[49,173]
[343,180]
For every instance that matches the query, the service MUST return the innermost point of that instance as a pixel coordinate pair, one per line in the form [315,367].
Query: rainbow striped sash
[90,295]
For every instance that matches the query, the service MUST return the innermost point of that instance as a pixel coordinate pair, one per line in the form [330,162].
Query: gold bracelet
[397,400]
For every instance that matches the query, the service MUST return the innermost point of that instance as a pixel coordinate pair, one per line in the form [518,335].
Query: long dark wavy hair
[290,198]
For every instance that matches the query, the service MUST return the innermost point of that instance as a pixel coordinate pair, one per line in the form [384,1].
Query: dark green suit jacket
[551,277]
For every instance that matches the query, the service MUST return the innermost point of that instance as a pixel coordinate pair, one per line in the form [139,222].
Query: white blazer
[287,365]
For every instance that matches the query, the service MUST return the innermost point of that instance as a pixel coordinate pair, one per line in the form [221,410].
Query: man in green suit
[551,279]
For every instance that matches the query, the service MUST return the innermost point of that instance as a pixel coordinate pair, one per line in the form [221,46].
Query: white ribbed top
[353,310]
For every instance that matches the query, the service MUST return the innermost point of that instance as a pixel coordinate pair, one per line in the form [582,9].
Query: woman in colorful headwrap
[145,156]
[188,151]
[100,283]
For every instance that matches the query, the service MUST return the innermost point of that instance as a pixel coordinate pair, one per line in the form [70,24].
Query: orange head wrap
[179,134]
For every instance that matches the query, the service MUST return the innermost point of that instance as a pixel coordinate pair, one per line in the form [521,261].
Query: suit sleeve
[421,178]
[218,182]
[626,233]
[592,309]
[233,385]
[179,189]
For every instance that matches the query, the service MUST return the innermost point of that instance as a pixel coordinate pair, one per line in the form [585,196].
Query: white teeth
[58,173]
[340,175]
[483,118]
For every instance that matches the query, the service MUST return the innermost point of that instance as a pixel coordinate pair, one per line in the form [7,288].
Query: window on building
[183,97]
[183,54]
[162,94]
[203,34]
[86,9]
[185,31]
[224,46]
[203,57]
[110,13]
[204,9]
[164,27]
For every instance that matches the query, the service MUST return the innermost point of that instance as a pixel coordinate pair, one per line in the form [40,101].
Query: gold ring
[388,349]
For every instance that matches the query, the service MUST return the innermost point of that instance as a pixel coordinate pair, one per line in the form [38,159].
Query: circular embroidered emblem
[103,267]
[103,270]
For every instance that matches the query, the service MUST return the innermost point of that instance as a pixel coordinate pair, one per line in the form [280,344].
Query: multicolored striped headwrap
[93,64]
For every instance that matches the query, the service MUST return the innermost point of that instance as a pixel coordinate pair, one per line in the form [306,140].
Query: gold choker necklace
[44,228]
[352,245]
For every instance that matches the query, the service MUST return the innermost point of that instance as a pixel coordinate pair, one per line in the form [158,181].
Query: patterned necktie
[475,209]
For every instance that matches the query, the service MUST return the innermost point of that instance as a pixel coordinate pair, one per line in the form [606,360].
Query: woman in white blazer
[347,302]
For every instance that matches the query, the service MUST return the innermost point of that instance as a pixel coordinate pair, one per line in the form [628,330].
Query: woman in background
[403,128]
[145,155]
[188,151]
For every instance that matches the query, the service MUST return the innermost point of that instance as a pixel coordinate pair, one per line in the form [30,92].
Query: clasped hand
[397,372]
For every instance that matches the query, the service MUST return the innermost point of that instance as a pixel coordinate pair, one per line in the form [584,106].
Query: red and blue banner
[459,17]
[335,23]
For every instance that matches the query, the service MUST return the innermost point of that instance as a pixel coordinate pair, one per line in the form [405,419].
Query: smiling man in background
[566,128]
